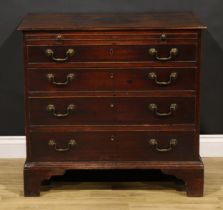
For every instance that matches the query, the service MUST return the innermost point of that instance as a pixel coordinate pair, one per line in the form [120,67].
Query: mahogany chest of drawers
[112,91]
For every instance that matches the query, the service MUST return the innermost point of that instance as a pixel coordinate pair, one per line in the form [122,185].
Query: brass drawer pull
[51,108]
[154,108]
[172,77]
[173,52]
[70,144]
[59,37]
[154,142]
[50,53]
[51,78]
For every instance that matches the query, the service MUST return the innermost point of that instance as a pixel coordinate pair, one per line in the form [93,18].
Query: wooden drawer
[154,110]
[150,79]
[112,53]
[71,79]
[89,146]
[154,36]
[111,79]
[92,110]
[156,146]
[112,110]
[119,146]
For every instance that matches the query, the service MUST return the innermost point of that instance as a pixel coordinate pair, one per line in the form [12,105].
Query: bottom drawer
[113,146]
[156,145]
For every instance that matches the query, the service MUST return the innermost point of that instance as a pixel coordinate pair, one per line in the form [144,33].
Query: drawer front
[113,36]
[72,111]
[154,110]
[112,110]
[111,79]
[150,79]
[110,146]
[155,146]
[112,53]
[70,80]
[59,146]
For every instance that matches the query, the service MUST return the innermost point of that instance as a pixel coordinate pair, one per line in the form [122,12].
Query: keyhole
[112,138]
[111,51]
[111,75]
[112,105]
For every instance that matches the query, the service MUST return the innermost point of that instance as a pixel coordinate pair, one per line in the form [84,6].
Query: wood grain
[113,111]
[112,146]
[121,53]
[106,21]
[111,79]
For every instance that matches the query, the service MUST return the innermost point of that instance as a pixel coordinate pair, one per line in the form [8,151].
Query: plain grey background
[11,68]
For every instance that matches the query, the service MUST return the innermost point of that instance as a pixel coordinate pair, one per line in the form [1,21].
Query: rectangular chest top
[109,21]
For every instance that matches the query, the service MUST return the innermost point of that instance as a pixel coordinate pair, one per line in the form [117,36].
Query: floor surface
[109,195]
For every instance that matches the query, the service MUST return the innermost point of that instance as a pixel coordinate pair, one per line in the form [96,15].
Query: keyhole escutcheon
[111,51]
[112,105]
[112,138]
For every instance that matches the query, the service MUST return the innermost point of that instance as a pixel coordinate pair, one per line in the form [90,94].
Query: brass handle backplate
[172,77]
[51,79]
[154,108]
[173,52]
[70,144]
[154,142]
[51,108]
[69,53]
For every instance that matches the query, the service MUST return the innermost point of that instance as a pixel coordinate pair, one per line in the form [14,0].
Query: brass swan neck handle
[173,52]
[70,144]
[153,76]
[154,142]
[52,80]
[69,53]
[154,108]
[52,109]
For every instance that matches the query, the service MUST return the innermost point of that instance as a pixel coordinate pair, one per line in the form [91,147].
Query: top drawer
[112,53]
[153,36]
[57,48]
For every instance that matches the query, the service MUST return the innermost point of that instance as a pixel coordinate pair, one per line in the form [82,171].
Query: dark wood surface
[111,79]
[112,122]
[108,146]
[120,53]
[106,21]
[113,110]
[60,37]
